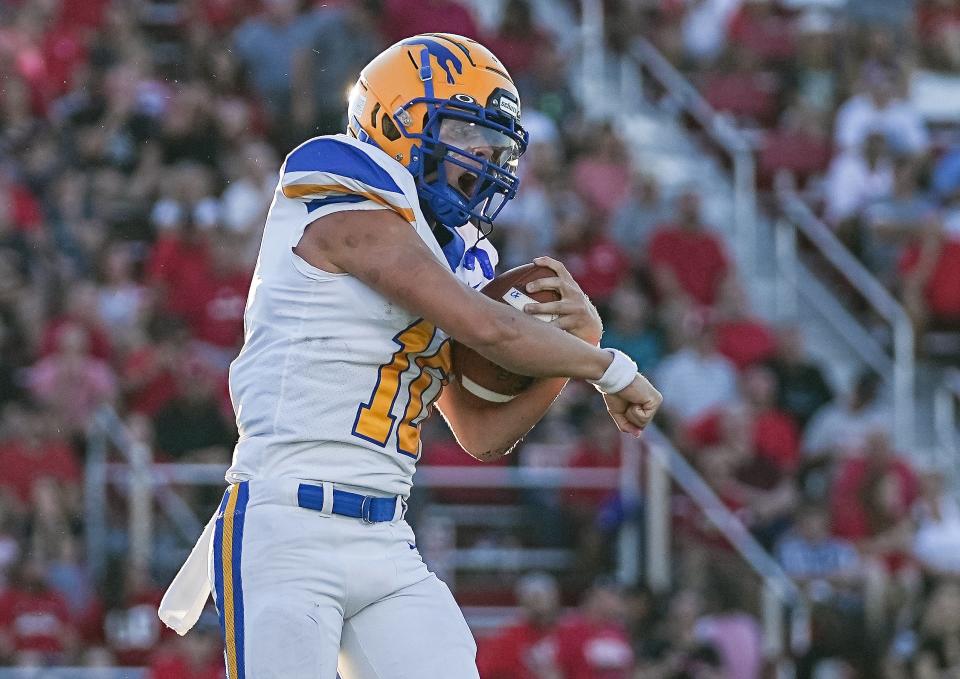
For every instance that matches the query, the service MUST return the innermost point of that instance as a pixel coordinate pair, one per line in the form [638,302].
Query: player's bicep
[384,251]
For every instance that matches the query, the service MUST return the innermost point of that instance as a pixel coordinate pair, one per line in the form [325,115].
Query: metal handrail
[107,428]
[591,54]
[152,479]
[797,210]
[722,132]
[724,520]
[663,457]
[682,91]
[140,461]
[799,215]
[664,460]
[738,147]
[427,476]
[145,480]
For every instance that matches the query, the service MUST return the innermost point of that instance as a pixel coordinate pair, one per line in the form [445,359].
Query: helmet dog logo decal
[444,56]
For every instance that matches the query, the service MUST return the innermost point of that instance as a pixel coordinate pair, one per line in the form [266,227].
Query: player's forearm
[397,264]
[528,346]
[511,421]
[490,431]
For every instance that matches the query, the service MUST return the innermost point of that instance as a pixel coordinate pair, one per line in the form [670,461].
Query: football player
[371,253]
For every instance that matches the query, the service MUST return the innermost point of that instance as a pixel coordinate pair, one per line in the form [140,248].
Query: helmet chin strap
[476,255]
[453,246]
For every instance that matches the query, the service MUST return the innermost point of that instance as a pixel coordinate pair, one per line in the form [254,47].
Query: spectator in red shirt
[148,372]
[88,14]
[34,619]
[687,261]
[589,510]
[198,655]
[132,629]
[518,39]
[43,51]
[33,450]
[799,145]
[872,497]
[931,280]
[179,263]
[593,642]
[599,448]
[72,382]
[81,308]
[744,89]
[403,18]
[776,436]
[753,484]
[526,649]
[871,503]
[938,26]
[602,175]
[64,53]
[25,212]
[218,321]
[741,337]
[596,262]
[768,36]
[441,449]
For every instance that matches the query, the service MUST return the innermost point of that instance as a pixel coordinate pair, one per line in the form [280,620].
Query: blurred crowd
[139,149]
[852,103]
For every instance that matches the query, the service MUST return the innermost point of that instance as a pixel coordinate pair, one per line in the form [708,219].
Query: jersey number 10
[375,419]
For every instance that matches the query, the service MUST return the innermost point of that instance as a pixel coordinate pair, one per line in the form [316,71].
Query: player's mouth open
[466,183]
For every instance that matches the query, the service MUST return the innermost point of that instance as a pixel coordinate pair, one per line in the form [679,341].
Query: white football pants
[302,593]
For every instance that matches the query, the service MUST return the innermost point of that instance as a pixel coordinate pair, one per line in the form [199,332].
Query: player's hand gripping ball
[480,378]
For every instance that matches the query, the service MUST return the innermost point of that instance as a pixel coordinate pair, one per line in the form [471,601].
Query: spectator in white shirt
[840,427]
[815,559]
[704,28]
[936,543]
[879,109]
[250,189]
[696,378]
[856,178]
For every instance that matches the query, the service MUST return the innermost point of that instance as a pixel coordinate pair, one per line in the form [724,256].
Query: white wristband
[618,375]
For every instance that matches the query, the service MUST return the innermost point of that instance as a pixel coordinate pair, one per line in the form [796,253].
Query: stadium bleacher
[139,144]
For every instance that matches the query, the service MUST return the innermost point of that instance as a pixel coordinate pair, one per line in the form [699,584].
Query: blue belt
[368,508]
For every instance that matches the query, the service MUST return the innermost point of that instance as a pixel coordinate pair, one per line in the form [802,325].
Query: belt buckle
[366,505]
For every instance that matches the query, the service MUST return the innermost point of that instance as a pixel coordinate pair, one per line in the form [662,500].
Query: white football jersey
[333,380]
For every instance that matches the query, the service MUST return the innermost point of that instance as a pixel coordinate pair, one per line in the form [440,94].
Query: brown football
[479,377]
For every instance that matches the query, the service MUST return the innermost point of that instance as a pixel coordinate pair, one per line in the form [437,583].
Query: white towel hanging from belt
[186,596]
